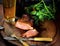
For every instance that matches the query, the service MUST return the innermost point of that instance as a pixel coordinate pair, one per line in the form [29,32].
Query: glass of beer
[9,10]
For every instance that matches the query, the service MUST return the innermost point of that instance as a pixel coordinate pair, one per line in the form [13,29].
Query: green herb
[41,11]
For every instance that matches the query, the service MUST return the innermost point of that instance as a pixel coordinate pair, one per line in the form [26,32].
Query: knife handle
[43,39]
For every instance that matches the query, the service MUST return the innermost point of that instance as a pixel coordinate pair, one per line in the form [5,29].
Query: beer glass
[9,10]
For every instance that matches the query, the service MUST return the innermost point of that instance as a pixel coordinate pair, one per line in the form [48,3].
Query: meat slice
[30,33]
[24,23]
[23,26]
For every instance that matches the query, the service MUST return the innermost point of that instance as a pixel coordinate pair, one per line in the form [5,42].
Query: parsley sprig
[41,11]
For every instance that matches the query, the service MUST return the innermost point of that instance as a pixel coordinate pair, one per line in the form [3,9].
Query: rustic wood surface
[10,29]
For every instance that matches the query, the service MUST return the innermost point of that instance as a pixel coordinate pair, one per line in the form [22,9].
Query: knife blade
[9,38]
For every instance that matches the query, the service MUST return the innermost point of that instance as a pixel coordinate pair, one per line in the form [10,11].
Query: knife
[30,39]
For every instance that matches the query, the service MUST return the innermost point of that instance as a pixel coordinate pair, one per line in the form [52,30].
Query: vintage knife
[30,39]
